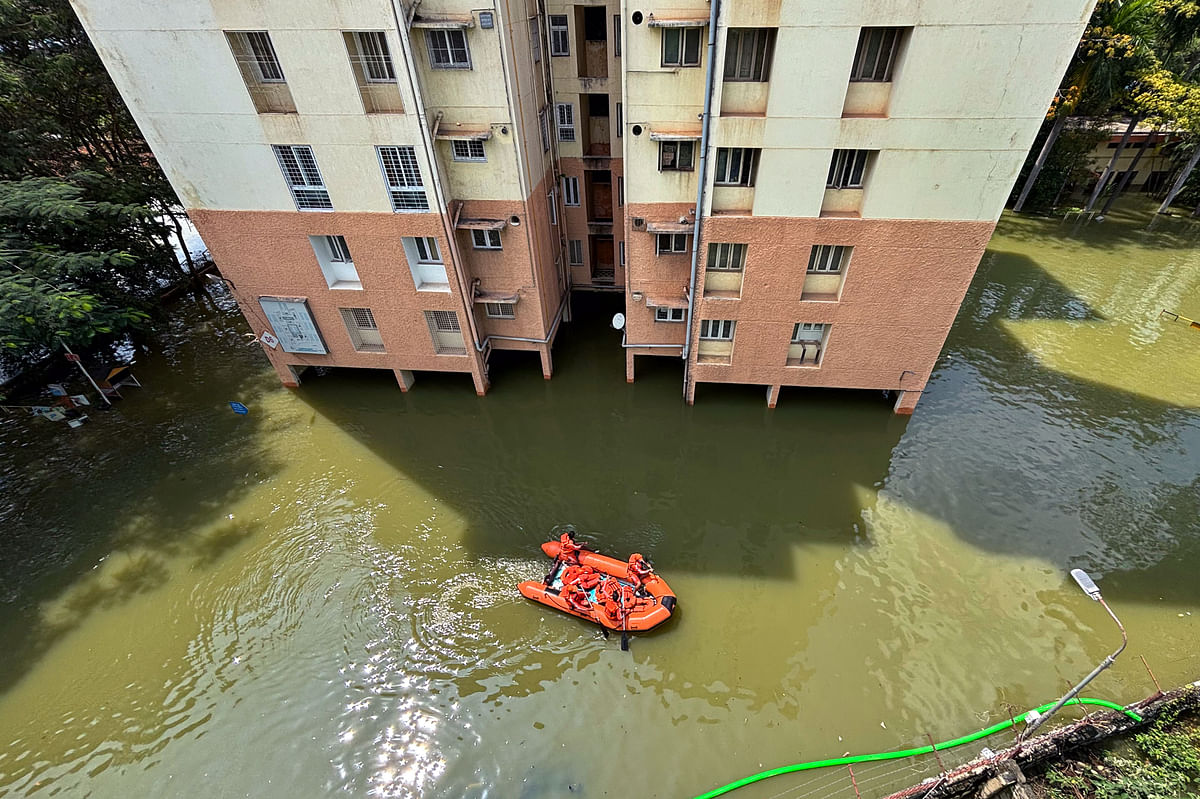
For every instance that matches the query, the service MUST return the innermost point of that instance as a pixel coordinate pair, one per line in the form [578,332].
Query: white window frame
[809,332]
[848,169]
[298,164]
[468,150]
[402,178]
[552,203]
[356,321]
[735,166]
[748,53]
[500,310]
[544,126]
[570,191]
[560,35]
[452,61]
[717,329]
[828,259]
[535,39]
[675,243]
[725,257]
[676,148]
[876,66]
[336,263]
[564,118]
[427,249]
[262,53]
[575,252]
[486,240]
[374,56]
[683,34]
[664,314]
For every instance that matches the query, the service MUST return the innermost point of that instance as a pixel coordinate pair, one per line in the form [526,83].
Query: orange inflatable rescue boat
[600,590]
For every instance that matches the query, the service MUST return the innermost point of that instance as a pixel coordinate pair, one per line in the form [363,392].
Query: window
[808,331]
[748,54]
[560,35]
[670,243]
[716,329]
[565,115]
[544,126]
[570,191]
[535,39]
[333,256]
[500,310]
[620,191]
[668,314]
[676,155]
[403,178]
[827,259]
[575,252]
[876,54]
[448,49]
[262,55]
[485,239]
[364,333]
[621,246]
[736,166]
[470,150]
[617,35]
[846,169]
[552,203]
[261,72]
[620,120]
[726,257]
[302,176]
[681,47]
[425,262]
[375,57]
[445,332]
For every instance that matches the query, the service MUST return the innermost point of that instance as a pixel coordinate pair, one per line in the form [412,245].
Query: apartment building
[787,195]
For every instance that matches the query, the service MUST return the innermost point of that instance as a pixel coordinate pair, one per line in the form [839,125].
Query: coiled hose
[920,750]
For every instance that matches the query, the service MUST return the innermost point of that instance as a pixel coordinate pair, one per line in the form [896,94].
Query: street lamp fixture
[1091,589]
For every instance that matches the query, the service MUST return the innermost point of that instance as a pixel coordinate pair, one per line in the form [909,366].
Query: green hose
[920,750]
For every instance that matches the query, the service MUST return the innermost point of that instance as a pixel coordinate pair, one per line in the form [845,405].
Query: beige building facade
[787,195]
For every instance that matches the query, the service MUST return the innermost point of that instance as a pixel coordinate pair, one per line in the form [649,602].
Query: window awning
[445,22]
[675,134]
[480,224]
[670,227]
[496,296]
[666,302]
[677,21]
[460,132]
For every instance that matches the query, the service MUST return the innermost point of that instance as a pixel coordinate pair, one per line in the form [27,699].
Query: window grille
[364,333]
[471,150]
[544,126]
[565,116]
[681,47]
[846,169]
[501,310]
[736,166]
[302,176]
[575,252]
[535,40]
[552,205]
[827,258]
[560,35]
[748,54]
[375,57]
[717,329]
[266,62]
[676,155]
[403,178]
[726,257]
[443,321]
[486,239]
[448,49]
[570,191]
[876,54]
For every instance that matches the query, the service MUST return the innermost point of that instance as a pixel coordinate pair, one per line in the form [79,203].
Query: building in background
[787,195]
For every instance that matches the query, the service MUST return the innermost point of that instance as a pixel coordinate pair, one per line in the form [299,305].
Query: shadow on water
[97,516]
[719,487]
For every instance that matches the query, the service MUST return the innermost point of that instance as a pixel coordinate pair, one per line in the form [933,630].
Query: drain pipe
[435,170]
[702,186]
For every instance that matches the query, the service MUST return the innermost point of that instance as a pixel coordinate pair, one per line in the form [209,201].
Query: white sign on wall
[293,324]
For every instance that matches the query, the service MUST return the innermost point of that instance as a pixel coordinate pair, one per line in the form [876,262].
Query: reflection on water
[320,596]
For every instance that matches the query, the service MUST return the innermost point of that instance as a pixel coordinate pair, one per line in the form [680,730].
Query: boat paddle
[624,623]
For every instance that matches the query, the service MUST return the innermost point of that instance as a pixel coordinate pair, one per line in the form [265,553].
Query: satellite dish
[618,322]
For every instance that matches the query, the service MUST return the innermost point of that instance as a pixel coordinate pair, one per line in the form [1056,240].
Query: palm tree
[1113,44]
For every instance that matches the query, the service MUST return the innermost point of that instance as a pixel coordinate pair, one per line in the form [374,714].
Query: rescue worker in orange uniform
[575,598]
[568,550]
[616,599]
[638,570]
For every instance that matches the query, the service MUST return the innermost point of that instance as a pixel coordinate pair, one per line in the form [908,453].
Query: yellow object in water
[1177,318]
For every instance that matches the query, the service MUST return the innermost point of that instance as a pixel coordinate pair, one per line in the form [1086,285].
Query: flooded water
[320,597]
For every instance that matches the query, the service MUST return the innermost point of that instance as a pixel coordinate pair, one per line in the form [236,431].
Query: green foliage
[1069,163]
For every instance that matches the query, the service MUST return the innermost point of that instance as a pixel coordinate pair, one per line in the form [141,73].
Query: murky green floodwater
[320,597]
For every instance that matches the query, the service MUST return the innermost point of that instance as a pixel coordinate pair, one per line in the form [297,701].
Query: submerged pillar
[906,402]
[405,378]
[288,375]
[481,383]
[629,366]
[773,395]
[547,362]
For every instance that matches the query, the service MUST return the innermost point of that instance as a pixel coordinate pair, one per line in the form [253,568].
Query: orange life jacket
[638,570]
[568,550]
[575,598]
[583,576]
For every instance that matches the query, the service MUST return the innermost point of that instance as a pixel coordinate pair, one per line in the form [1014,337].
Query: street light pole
[1091,589]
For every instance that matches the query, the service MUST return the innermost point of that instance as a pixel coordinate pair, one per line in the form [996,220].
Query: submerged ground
[320,596]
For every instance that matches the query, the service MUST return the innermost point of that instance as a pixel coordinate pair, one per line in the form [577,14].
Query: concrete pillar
[629,366]
[773,395]
[481,383]
[689,393]
[288,375]
[405,378]
[906,403]
[547,362]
